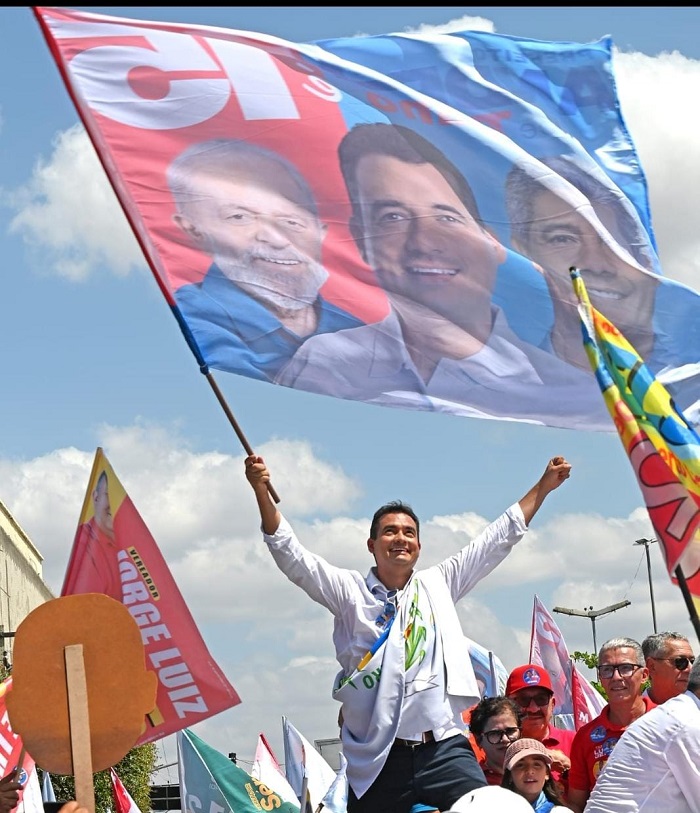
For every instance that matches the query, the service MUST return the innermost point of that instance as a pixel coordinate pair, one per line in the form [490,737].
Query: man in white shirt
[402,736]
[655,765]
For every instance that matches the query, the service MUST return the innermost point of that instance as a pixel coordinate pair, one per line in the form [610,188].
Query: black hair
[394,507]
[406,145]
[490,706]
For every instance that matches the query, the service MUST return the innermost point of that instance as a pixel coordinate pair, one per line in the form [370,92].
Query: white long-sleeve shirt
[357,601]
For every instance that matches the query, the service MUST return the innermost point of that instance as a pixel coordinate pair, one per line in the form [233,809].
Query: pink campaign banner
[576,700]
[114,553]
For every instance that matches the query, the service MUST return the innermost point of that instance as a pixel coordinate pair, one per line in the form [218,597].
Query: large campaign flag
[663,449]
[114,553]
[387,219]
[576,701]
[209,781]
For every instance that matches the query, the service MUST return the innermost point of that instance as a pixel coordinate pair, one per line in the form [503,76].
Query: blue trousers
[434,773]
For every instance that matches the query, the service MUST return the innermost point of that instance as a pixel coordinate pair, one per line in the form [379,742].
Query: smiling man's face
[258,234]
[422,241]
[396,546]
[559,237]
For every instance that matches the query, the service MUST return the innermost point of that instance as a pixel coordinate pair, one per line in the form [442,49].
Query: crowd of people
[657,766]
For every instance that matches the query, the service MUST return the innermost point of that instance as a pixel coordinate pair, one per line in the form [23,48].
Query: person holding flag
[402,736]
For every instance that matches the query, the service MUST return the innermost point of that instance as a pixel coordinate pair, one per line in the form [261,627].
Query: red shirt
[592,746]
[492,777]
[560,739]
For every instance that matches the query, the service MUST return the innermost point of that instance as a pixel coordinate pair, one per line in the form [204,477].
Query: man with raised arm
[402,734]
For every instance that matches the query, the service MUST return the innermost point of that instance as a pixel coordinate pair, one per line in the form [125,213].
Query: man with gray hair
[621,671]
[656,764]
[669,657]
[254,214]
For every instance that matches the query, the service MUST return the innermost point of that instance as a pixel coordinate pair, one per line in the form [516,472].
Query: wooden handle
[79,724]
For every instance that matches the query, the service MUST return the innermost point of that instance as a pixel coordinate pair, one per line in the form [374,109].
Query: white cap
[490,799]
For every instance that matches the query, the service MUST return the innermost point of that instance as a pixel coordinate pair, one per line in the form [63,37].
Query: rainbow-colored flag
[663,448]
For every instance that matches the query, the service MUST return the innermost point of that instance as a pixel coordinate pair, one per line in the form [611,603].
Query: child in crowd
[527,771]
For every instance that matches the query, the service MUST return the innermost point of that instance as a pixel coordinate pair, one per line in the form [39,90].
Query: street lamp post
[646,543]
[589,612]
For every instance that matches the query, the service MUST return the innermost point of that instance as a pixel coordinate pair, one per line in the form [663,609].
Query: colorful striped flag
[662,447]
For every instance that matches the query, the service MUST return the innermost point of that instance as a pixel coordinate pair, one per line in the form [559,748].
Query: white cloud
[68,215]
[465,23]
[657,98]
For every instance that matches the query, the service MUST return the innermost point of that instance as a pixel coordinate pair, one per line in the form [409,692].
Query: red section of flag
[11,745]
[119,557]
[123,803]
[581,713]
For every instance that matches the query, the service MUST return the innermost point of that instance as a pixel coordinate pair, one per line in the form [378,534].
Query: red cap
[528,676]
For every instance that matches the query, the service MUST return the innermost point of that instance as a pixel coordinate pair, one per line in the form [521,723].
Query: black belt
[426,736]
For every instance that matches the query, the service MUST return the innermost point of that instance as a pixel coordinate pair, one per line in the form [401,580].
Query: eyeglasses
[542,699]
[607,670]
[681,662]
[496,735]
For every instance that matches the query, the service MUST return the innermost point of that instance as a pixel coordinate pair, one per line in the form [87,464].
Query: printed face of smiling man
[253,224]
[559,238]
[422,242]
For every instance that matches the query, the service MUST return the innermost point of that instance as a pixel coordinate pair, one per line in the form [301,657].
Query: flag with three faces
[385,219]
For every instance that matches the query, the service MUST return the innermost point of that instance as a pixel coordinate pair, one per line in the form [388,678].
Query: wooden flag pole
[689,603]
[79,723]
[236,428]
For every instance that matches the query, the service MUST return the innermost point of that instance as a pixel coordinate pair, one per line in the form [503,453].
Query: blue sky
[91,356]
